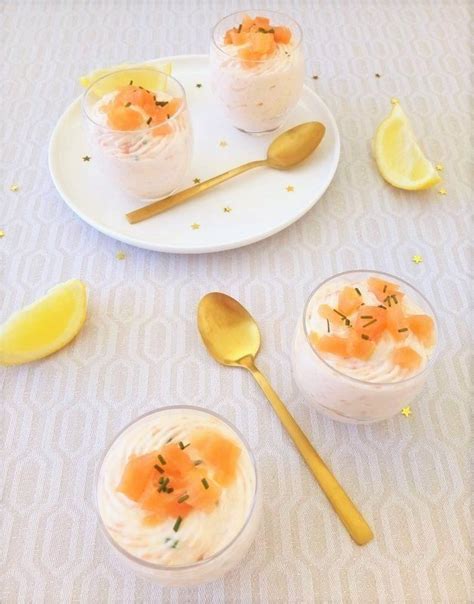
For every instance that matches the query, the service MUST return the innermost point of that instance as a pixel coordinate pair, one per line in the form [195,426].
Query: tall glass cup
[149,160]
[257,91]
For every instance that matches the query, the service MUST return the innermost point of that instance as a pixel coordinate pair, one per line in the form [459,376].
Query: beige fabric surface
[139,349]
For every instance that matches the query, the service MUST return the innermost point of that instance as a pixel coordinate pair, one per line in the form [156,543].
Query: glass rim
[199,563]
[137,130]
[396,279]
[252,10]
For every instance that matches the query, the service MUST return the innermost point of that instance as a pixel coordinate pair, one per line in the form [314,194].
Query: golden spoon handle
[350,516]
[156,207]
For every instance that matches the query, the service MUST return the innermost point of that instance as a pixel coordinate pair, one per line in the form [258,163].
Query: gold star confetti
[439,167]
[2,233]
[86,158]
[290,188]
[196,180]
[195,226]
[14,188]
[120,255]
[377,75]
[227,209]
[223,143]
[442,192]
[406,411]
[198,85]
[394,100]
[417,259]
[315,77]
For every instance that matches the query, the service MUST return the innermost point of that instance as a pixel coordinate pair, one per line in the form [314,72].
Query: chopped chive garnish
[148,120]
[347,322]
[130,83]
[239,29]
[170,490]
[159,468]
[198,462]
[366,317]
[168,116]
[175,544]
[177,524]
[364,336]
[403,329]
[384,288]
[395,299]
[183,498]
[329,327]
[183,446]
[162,460]
[358,291]
[388,301]
[128,104]
[382,306]
[340,314]
[141,88]
[369,323]
[167,539]
[161,480]
[169,440]
[161,103]
[205,483]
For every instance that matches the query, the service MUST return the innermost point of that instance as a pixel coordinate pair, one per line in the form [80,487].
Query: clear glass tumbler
[378,393]
[257,92]
[207,545]
[146,152]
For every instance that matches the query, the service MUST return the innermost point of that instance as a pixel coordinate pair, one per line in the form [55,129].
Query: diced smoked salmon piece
[406,357]
[220,453]
[282,35]
[360,348]
[371,321]
[423,328]
[331,314]
[348,301]
[136,475]
[334,345]
[382,289]
[397,324]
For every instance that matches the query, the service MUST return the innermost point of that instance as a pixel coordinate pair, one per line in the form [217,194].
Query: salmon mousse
[257,69]
[177,494]
[363,348]
[141,138]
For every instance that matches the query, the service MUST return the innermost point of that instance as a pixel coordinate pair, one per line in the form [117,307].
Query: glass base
[258,133]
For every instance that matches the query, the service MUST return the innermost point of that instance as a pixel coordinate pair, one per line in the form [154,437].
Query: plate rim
[172,249]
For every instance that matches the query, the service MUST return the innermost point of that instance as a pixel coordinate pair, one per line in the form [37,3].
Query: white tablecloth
[140,349]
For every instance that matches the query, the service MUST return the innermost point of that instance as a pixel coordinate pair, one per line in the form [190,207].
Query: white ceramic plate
[260,204]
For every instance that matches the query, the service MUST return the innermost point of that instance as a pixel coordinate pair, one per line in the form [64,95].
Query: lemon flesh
[400,160]
[142,75]
[44,326]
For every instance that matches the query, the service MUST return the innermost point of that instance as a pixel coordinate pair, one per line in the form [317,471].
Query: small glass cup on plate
[257,69]
[139,129]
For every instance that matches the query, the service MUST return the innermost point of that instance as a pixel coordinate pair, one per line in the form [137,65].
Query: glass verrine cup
[352,390]
[139,129]
[257,89]
[207,545]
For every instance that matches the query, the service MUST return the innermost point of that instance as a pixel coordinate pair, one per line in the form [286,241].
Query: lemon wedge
[141,74]
[399,158]
[44,326]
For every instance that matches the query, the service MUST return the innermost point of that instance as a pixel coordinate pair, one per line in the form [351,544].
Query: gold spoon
[232,337]
[287,150]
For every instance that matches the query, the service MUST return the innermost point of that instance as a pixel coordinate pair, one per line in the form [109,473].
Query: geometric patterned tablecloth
[139,348]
